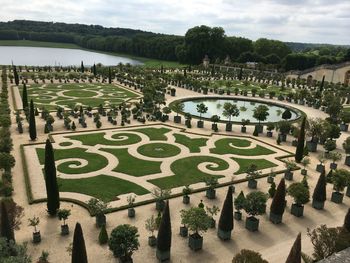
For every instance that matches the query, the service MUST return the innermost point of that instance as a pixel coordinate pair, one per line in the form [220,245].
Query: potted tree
[34,222]
[63,214]
[335,157]
[215,119]
[212,211]
[225,226]
[304,162]
[239,205]
[340,179]
[188,118]
[314,130]
[230,110]
[244,122]
[211,182]
[255,204]
[131,209]
[201,109]
[271,176]
[252,175]
[260,113]
[151,226]
[123,242]
[288,174]
[98,209]
[270,126]
[278,203]
[345,118]
[197,221]
[160,195]
[186,191]
[346,146]
[178,107]
[320,167]
[301,196]
[284,128]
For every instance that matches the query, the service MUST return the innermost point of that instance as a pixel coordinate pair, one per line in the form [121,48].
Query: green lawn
[186,172]
[222,146]
[95,161]
[131,165]
[245,163]
[193,144]
[103,187]
[154,134]
[93,139]
[158,150]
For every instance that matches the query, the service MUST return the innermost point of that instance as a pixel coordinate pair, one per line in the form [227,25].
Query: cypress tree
[347,221]
[79,250]
[6,228]
[319,194]
[295,252]
[109,76]
[15,74]
[82,69]
[299,154]
[103,236]
[94,69]
[226,217]
[278,201]
[53,198]
[240,75]
[32,125]
[322,84]
[24,97]
[164,233]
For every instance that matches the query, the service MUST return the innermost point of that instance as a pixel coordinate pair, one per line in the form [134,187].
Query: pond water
[216,107]
[42,56]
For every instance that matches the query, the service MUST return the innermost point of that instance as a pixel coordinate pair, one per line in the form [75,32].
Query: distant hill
[297,47]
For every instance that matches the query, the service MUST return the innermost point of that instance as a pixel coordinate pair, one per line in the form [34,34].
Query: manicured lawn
[131,165]
[245,163]
[158,150]
[95,161]
[226,146]
[87,94]
[193,144]
[124,138]
[103,187]
[186,171]
[154,134]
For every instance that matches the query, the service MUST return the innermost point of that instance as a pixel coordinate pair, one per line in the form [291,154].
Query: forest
[189,49]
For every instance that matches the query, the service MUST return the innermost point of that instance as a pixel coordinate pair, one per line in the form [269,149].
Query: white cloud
[288,20]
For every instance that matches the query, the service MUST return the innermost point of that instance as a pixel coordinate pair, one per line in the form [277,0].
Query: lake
[42,56]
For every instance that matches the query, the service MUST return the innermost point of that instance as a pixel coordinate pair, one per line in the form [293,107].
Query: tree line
[189,49]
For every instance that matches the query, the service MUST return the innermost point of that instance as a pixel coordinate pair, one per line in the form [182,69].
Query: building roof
[340,257]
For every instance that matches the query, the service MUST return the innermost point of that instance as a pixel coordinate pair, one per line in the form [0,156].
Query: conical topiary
[24,97]
[279,200]
[295,253]
[53,198]
[6,228]
[32,125]
[347,221]
[226,217]
[79,251]
[320,189]
[164,234]
[299,154]
[103,236]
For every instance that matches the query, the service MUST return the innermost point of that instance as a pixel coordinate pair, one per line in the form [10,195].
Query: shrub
[299,192]
[245,256]
[103,236]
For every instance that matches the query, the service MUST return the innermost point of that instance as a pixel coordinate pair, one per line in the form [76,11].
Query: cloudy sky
[316,21]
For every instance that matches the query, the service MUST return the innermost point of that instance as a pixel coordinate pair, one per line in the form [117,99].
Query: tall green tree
[15,74]
[278,201]
[94,69]
[32,125]
[299,154]
[53,197]
[24,97]
[79,250]
[82,69]
[164,233]
[226,217]
[295,252]
[6,228]
[320,193]
[109,75]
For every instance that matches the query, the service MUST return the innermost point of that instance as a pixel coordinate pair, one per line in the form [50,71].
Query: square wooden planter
[252,224]
[252,184]
[288,175]
[224,235]
[200,124]
[195,242]
[210,193]
[297,210]
[317,204]
[163,256]
[237,215]
[276,219]
[337,197]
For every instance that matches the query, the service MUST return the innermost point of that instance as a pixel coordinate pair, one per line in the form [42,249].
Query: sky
[309,21]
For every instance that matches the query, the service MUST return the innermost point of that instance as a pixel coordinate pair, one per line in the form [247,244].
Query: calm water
[39,56]
[216,107]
